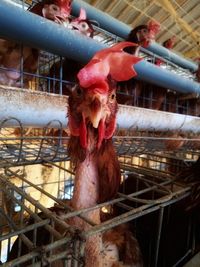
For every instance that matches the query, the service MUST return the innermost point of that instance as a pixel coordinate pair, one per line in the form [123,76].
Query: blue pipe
[23,26]
[164,78]
[122,30]
[38,32]
[171,56]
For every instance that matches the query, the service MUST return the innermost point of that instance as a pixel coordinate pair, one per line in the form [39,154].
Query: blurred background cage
[36,176]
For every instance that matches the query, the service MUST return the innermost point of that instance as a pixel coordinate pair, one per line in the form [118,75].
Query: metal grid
[153,193]
[25,146]
[148,158]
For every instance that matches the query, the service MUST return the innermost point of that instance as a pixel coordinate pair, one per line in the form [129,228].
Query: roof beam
[138,17]
[182,23]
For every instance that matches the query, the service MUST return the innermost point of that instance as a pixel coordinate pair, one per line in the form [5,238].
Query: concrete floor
[194,262]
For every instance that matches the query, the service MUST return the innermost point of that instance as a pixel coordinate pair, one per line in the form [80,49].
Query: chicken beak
[95,118]
[96,112]
[94,115]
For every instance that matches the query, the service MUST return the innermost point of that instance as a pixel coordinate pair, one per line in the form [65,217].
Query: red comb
[154,28]
[82,15]
[113,61]
[65,5]
[170,42]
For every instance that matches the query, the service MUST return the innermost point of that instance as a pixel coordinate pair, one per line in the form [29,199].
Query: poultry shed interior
[99,133]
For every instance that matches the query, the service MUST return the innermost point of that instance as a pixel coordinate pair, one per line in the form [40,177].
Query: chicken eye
[112,97]
[84,26]
[79,91]
[55,8]
[144,31]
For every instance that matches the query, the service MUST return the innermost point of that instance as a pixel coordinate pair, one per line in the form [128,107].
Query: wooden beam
[182,23]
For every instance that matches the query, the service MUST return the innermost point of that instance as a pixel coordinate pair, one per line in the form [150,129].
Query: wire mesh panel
[150,212]
[151,203]
[22,146]
[146,204]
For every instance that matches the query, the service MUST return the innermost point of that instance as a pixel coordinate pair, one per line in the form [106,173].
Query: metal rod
[46,248]
[35,216]
[182,258]
[130,215]
[25,239]
[28,107]
[60,202]
[46,211]
[160,224]
[25,229]
[116,201]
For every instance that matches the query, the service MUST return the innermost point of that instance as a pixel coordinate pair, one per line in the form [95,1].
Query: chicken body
[92,109]
[92,121]
[11,63]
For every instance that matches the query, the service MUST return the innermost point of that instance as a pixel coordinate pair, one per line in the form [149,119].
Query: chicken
[134,92]
[143,35]
[55,10]
[92,118]
[14,58]
[142,93]
[82,24]
[169,44]
[128,250]
[175,141]
[153,29]
[70,67]
[92,121]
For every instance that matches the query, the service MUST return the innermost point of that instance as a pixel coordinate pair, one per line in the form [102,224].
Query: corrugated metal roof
[183,20]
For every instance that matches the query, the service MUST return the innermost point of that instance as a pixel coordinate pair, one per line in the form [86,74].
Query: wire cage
[151,201]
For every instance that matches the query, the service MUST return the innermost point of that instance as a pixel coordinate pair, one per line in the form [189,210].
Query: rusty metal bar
[160,224]
[117,200]
[64,205]
[46,211]
[55,233]
[25,229]
[46,248]
[24,238]
[133,214]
